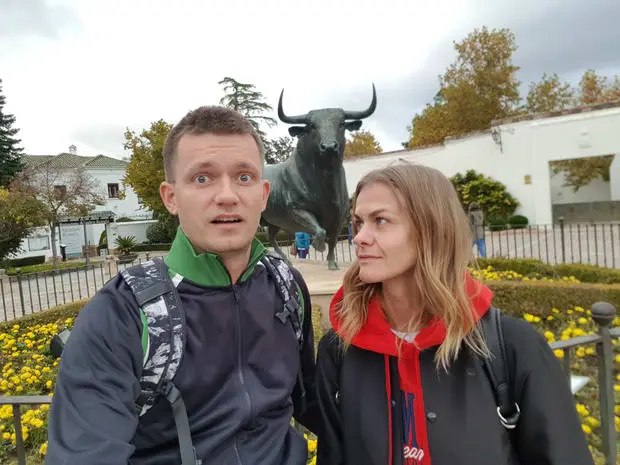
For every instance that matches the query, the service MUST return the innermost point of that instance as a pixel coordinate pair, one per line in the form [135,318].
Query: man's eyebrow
[242,165]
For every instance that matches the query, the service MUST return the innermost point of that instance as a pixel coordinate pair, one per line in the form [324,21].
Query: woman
[401,378]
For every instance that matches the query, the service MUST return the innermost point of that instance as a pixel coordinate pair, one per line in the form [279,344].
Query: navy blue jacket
[238,376]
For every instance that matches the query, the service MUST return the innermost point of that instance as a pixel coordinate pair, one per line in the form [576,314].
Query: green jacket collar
[206,269]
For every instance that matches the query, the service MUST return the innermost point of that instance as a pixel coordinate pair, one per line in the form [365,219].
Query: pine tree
[245,99]
[11,161]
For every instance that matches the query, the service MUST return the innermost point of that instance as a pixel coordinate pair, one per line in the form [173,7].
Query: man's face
[218,191]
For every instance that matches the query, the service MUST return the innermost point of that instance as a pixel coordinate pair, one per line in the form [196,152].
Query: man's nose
[226,193]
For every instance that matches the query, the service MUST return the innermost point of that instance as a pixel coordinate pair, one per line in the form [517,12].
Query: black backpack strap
[160,305]
[497,369]
[293,306]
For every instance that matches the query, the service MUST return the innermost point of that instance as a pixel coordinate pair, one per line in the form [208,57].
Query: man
[243,374]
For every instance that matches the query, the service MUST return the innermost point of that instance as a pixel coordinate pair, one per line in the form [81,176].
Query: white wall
[614,175]
[28,247]
[129,206]
[527,148]
[133,228]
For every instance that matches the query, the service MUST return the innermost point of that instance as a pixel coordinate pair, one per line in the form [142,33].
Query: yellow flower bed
[489,274]
[29,369]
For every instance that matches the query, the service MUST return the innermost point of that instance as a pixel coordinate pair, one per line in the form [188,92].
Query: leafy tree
[496,202]
[61,191]
[598,89]
[549,94]
[361,143]
[279,150]
[245,99]
[11,161]
[479,87]
[145,170]
[19,211]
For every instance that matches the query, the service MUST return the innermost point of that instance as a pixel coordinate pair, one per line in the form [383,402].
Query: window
[60,192]
[113,191]
[38,242]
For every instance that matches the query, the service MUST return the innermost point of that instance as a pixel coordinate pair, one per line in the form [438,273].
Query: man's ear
[296,131]
[166,192]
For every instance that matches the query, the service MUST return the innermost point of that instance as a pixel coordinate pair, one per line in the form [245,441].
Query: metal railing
[592,243]
[585,243]
[603,313]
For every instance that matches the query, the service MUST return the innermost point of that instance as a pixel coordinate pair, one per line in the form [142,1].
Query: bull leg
[309,223]
[272,230]
[332,240]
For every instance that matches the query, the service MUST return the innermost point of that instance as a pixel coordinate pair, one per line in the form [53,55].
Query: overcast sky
[81,71]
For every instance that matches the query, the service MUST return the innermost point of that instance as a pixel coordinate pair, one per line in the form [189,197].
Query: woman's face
[384,242]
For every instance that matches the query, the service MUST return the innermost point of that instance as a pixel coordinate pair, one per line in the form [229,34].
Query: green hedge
[52,315]
[147,247]
[529,267]
[26,261]
[539,298]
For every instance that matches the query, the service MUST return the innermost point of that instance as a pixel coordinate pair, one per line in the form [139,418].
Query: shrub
[158,233]
[491,195]
[518,222]
[537,269]
[497,224]
[539,298]
[148,247]
[26,261]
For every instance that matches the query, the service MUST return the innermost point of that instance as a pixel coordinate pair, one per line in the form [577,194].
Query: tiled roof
[70,161]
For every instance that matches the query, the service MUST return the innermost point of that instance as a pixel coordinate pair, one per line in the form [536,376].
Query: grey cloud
[553,36]
[34,17]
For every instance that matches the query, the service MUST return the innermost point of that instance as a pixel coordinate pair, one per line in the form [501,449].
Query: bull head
[323,130]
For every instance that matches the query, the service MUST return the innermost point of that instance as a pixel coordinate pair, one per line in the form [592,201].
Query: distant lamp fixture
[497,137]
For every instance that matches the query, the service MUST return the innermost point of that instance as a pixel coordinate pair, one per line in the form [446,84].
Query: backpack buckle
[511,422]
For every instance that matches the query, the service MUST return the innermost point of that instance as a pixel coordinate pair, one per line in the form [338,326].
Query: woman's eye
[201,179]
[379,220]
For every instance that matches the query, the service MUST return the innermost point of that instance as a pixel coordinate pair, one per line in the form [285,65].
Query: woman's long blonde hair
[443,242]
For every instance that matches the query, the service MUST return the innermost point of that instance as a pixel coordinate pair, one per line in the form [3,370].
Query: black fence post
[563,241]
[18,271]
[603,314]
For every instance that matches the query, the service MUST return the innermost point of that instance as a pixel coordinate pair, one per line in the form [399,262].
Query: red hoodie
[376,335]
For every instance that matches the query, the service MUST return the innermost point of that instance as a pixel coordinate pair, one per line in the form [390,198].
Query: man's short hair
[208,120]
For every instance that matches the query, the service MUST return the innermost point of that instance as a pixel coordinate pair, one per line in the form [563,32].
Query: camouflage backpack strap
[289,291]
[163,322]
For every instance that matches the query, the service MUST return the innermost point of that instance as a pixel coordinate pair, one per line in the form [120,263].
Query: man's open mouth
[223,220]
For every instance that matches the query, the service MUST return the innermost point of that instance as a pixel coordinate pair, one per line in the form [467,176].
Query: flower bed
[559,310]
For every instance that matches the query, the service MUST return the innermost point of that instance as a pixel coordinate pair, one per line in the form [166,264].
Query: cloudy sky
[81,71]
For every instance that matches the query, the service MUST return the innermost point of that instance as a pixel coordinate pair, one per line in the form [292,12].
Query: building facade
[518,152]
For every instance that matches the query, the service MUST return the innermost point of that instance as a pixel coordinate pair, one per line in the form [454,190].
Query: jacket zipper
[246,394]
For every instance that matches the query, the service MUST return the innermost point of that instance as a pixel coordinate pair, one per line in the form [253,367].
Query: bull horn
[366,113]
[300,119]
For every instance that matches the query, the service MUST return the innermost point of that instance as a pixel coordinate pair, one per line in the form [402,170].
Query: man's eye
[245,178]
[201,179]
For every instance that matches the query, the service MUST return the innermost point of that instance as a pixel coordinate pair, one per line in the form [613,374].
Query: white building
[517,152]
[120,202]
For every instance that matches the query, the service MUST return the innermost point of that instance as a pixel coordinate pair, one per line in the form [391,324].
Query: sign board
[73,237]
